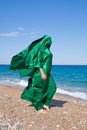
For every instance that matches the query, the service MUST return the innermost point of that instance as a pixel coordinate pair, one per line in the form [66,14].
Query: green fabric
[36,55]
[28,60]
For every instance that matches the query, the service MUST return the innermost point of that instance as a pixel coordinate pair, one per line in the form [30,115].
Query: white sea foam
[23,83]
[81,95]
[14,82]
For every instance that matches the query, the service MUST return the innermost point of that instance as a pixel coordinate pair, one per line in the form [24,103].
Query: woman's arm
[43,75]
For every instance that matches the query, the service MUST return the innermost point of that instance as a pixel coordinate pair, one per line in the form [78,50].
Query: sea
[71,80]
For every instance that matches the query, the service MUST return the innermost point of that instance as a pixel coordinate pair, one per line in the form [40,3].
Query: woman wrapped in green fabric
[36,61]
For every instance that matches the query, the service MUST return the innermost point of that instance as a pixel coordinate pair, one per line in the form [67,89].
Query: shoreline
[65,113]
[72,97]
[57,94]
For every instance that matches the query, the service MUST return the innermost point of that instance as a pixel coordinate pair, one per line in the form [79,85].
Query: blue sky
[22,21]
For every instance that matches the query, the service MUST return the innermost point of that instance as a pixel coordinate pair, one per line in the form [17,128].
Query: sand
[17,114]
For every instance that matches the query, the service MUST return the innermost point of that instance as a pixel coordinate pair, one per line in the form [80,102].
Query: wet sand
[17,114]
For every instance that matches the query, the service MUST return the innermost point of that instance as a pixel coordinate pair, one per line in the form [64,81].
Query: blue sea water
[70,79]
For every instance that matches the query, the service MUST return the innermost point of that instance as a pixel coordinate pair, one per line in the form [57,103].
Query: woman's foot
[46,108]
[42,111]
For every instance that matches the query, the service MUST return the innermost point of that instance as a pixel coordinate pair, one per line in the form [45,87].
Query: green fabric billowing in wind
[27,62]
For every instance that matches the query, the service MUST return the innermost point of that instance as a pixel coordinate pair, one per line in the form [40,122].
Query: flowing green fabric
[27,62]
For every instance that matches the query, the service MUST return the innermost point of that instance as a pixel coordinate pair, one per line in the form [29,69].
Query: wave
[23,83]
[14,82]
[80,95]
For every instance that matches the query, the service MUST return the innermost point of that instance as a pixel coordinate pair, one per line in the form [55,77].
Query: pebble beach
[17,114]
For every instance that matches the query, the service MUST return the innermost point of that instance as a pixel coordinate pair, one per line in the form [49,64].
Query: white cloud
[16,34]
[25,34]
[10,34]
[33,34]
[20,29]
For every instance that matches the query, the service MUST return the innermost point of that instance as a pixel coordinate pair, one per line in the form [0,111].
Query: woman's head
[41,43]
[47,41]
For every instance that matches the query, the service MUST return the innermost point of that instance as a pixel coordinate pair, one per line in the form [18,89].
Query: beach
[17,114]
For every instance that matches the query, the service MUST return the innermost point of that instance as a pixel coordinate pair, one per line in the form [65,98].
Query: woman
[36,61]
